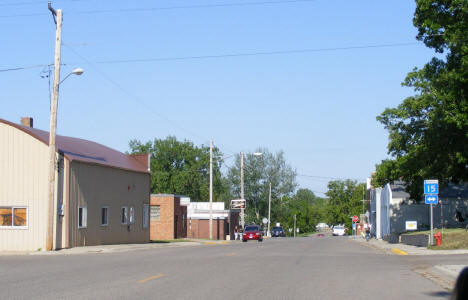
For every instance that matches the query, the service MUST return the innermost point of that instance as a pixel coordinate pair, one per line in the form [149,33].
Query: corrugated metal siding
[23,182]
[95,186]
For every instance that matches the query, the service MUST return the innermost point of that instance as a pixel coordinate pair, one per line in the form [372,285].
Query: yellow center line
[230,254]
[151,278]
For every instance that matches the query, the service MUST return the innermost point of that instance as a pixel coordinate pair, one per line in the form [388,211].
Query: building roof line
[84,150]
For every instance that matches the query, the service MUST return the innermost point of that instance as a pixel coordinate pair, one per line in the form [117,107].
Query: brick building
[167,217]
[198,220]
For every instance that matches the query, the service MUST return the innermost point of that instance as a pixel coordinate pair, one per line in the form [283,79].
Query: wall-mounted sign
[155,213]
[411,225]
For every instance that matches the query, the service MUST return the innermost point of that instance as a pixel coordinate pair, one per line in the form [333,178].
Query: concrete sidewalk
[119,248]
[443,275]
[402,249]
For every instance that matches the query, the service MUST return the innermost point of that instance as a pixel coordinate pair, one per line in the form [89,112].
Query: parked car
[339,230]
[278,231]
[252,232]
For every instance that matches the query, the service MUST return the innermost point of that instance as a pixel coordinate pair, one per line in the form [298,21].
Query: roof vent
[27,121]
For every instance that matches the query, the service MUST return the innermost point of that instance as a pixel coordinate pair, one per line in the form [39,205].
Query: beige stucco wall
[95,186]
[23,182]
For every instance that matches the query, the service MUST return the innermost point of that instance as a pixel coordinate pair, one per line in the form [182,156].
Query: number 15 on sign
[431,186]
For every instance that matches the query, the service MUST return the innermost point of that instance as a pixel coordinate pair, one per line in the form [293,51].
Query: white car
[339,230]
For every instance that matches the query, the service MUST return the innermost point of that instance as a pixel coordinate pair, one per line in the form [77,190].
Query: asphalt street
[279,268]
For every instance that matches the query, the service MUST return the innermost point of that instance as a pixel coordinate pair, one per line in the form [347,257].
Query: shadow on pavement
[441,294]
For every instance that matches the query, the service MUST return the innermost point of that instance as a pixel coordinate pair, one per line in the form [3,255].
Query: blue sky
[319,107]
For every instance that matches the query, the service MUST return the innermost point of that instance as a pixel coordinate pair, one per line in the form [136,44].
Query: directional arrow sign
[431,199]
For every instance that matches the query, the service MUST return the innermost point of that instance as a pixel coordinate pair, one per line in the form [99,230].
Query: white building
[101,195]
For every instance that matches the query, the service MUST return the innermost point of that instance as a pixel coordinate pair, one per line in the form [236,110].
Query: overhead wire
[134,97]
[312,177]
[258,53]
[147,9]
[23,68]
[215,56]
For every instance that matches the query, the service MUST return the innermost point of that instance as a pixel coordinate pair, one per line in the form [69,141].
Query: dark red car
[252,232]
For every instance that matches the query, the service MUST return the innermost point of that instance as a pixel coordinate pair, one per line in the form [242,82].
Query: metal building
[101,196]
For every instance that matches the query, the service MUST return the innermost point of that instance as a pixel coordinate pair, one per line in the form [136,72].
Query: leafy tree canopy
[181,168]
[259,172]
[428,132]
[344,201]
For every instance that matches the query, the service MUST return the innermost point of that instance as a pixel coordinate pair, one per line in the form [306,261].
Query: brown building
[167,217]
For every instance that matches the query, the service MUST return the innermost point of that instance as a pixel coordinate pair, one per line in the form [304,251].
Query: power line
[41,2]
[118,86]
[276,52]
[23,68]
[259,53]
[126,10]
[327,178]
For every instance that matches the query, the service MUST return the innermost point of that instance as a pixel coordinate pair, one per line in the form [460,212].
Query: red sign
[355,219]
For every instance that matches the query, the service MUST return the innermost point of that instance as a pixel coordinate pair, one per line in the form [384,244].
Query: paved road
[302,268]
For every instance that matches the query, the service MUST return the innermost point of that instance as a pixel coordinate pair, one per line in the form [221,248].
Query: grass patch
[170,241]
[305,234]
[452,238]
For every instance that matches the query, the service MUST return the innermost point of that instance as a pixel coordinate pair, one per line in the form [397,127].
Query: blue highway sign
[431,199]
[431,186]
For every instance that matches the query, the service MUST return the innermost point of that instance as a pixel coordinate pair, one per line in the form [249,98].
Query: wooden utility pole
[53,125]
[269,213]
[211,189]
[242,190]
[294,225]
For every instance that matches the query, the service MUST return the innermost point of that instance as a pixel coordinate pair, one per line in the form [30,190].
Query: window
[104,215]
[124,215]
[145,215]
[15,217]
[82,216]
[131,215]
[155,213]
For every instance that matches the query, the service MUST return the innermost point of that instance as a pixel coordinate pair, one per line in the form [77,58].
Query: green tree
[308,209]
[344,201]
[428,132]
[182,168]
[259,172]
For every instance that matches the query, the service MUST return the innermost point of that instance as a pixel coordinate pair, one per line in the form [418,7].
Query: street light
[52,150]
[76,71]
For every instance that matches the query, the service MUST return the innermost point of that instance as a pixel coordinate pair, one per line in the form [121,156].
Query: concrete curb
[102,249]
[408,249]
[399,252]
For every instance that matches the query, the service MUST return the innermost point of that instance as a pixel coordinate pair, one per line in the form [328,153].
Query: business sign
[237,203]
[155,212]
[431,199]
[431,186]
[411,225]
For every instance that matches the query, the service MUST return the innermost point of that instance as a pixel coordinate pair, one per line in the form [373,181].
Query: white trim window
[104,215]
[13,217]
[124,215]
[145,215]
[82,217]
[131,215]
